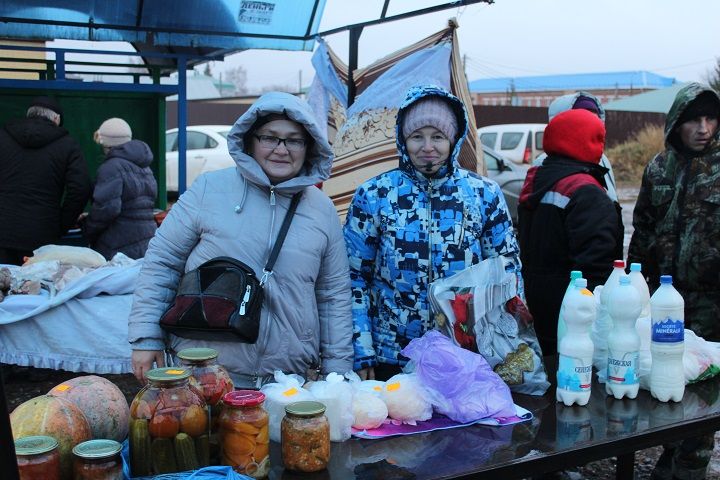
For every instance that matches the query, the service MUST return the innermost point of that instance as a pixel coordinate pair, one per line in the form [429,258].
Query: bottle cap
[581,282]
[619,264]
[168,374]
[244,398]
[305,409]
[575,274]
[636,267]
[98,448]
[624,280]
[198,354]
[35,445]
[666,279]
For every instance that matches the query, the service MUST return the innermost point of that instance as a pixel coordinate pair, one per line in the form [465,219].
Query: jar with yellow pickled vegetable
[243,430]
[305,434]
[169,426]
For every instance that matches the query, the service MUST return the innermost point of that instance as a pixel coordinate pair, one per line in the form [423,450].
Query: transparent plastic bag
[337,396]
[407,399]
[287,389]
[479,309]
[461,384]
[368,407]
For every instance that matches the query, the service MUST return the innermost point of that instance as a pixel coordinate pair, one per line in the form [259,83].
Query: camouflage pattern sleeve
[361,240]
[643,236]
[498,237]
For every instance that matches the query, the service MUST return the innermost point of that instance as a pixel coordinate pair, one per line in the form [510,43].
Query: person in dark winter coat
[121,218]
[44,181]
[566,219]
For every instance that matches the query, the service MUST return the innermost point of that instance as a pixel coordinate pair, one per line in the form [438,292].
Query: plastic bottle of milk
[667,337]
[623,341]
[638,281]
[562,328]
[574,374]
[612,281]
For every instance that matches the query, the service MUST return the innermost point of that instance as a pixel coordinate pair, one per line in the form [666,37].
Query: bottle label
[574,374]
[668,330]
[622,367]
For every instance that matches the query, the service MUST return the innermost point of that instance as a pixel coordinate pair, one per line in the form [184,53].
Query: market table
[558,437]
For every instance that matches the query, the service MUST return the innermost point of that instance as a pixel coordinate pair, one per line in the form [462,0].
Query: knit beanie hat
[431,111]
[704,105]
[586,103]
[113,132]
[576,134]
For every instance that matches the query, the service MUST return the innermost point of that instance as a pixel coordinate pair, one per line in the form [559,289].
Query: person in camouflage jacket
[677,232]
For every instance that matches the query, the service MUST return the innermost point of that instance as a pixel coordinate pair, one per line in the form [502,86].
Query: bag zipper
[245,299]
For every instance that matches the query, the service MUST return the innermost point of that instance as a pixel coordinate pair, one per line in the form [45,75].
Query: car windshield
[225,133]
[539,140]
[491,162]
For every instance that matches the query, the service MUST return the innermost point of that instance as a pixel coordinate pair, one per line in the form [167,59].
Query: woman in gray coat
[279,150]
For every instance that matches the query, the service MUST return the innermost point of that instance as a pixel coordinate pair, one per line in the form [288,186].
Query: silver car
[508,175]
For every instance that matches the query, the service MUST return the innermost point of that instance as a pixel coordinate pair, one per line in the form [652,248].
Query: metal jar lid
[198,354]
[244,398]
[305,409]
[100,448]
[168,374]
[35,445]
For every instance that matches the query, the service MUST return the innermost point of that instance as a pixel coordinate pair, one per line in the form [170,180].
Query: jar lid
[168,374]
[305,409]
[35,445]
[197,354]
[243,398]
[99,448]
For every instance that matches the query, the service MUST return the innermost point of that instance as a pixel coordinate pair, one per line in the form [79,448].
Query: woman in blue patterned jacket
[426,219]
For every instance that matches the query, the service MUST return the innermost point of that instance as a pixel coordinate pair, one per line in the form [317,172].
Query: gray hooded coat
[237,212]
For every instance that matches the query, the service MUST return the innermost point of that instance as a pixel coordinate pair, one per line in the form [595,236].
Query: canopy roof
[194,27]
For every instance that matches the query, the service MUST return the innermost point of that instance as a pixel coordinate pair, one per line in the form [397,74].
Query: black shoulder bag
[223,296]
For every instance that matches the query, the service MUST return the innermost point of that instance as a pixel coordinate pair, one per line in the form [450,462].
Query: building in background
[539,91]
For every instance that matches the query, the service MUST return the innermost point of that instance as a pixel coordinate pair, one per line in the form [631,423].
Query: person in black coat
[566,219]
[121,218]
[44,181]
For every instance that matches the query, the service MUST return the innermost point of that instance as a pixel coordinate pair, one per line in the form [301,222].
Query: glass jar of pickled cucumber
[244,439]
[97,460]
[305,437]
[169,425]
[38,457]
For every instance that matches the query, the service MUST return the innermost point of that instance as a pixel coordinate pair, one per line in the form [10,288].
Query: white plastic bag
[287,389]
[337,396]
[82,257]
[406,399]
[368,407]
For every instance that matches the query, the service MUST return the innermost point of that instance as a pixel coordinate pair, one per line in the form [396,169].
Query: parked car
[519,142]
[509,176]
[207,150]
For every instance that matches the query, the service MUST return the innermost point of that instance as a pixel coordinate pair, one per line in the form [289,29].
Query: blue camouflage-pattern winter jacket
[404,230]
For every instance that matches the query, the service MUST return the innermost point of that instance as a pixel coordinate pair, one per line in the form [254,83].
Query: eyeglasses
[272,142]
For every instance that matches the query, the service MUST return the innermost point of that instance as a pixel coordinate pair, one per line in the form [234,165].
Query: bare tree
[278,88]
[713,76]
[238,77]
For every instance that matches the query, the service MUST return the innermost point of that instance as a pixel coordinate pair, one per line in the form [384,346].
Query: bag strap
[267,271]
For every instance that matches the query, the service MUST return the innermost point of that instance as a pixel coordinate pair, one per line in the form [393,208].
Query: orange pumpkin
[56,417]
[102,402]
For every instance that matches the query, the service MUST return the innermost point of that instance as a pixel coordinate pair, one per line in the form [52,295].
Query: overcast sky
[522,37]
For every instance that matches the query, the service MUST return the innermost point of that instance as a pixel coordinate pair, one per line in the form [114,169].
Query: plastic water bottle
[603,325]
[612,282]
[638,281]
[574,374]
[562,328]
[623,341]
[667,337]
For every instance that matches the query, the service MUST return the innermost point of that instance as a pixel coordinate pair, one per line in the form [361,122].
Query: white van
[519,142]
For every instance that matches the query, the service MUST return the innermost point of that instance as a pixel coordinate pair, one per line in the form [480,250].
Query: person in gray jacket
[306,322]
[121,218]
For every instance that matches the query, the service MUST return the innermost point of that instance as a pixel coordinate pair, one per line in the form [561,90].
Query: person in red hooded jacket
[566,219]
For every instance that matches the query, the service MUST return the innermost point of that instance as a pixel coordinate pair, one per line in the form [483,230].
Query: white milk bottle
[667,336]
[562,328]
[612,281]
[574,374]
[623,341]
[638,281]
[603,324]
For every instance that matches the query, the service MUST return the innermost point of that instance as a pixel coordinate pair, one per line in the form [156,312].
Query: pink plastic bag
[461,384]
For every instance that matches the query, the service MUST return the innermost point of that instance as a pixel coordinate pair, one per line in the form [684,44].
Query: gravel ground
[23,384]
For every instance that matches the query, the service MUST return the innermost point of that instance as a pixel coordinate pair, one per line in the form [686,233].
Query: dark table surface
[558,437]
